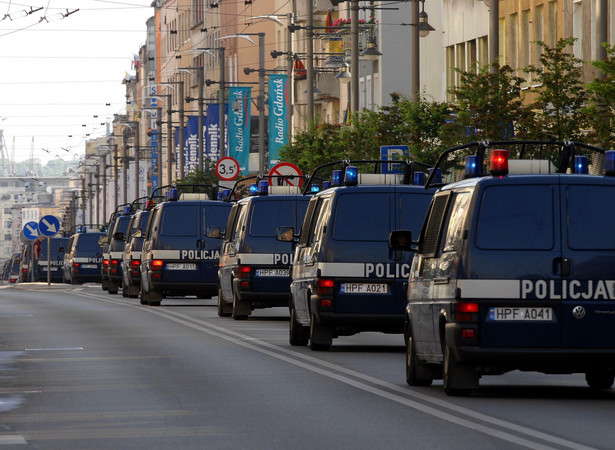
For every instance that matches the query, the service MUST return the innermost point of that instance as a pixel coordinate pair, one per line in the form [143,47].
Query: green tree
[602,107]
[561,94]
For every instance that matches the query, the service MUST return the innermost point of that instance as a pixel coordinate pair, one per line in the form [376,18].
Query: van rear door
[588,288]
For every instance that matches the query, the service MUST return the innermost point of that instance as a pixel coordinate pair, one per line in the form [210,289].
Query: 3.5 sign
[227,168]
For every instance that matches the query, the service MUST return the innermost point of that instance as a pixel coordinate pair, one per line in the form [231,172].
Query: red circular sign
[227,168]
[288,172]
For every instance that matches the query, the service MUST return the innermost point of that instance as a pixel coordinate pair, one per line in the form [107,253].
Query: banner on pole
[278,116]
[239,126]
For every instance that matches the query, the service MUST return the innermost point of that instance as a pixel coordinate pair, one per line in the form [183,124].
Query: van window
[268,216]
[88,242]
[179,220]
[588,210]
[364,217]
[516,218]
[316,229]
[412,209]
[454,228]
[214,216]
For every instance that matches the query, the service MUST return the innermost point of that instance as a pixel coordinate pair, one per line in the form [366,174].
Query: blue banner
[154,137]
[239,126]
[212,133]
[278,116]
[191,145]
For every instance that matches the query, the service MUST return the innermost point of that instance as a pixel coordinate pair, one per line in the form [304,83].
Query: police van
[345,279]
[83,256]
[116,236]
[131,257]
[105,243]
[55,271]
[254,266]
[514,267]
[178,258]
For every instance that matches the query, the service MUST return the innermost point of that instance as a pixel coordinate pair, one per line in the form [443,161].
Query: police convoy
[493,264]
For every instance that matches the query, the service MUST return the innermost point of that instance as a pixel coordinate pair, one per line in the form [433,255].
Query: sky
[61,72]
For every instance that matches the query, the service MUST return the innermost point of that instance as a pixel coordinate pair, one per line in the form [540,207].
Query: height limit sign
[227,168]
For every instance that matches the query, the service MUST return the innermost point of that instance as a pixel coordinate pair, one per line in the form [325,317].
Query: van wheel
[321,337]
[241,310]
[599,379]
[224,309]
[144,297]
[417,373]
[297,334]
[154,297]
[458,379]
[113,288]
[131,291]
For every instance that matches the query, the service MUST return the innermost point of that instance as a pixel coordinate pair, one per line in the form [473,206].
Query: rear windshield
[268,216]
[88,242]
[362,217]
[122,224]
[215,216]
[55,246]
[412,211]
[516,218]
[179,220]
[590,216]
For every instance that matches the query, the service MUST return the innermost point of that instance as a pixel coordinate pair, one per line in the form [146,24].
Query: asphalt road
[82,369]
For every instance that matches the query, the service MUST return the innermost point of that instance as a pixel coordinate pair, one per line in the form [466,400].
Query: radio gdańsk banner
[239,126]
[278,116]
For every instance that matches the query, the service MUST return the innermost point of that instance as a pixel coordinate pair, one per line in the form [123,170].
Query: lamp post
[261,96]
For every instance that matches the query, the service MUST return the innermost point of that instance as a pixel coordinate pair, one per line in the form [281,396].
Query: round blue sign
[30,231]
[49,225]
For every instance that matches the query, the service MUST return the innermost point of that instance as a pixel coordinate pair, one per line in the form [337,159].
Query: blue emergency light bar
[226,193]
[263,187]
[326,185]
[127,209]
[419,178]
[253,189]
[351,177]
[437,179]
[472,168]
[336,178]
[609,163]
[172,195]
[580,165]
[315,188]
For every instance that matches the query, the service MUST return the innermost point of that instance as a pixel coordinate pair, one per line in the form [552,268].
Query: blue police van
[131,257]
[117,237]
[514,266]
[55,259]
[178,256]
[345,279]
[83,256]
[254,266]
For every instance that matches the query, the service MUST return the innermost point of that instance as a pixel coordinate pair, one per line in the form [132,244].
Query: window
[455,227]
[214,216]
[516,218]
[433,228]
[412,209]
[364,217]
[318,220]
[588,218]
[179,220]
[268,216]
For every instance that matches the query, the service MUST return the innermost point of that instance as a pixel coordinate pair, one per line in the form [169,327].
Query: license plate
[521,314]
[88,266]
[364,288]
[181,266]
[272,272]
[53,269]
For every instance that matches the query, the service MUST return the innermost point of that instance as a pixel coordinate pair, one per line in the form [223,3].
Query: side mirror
[61,250]
[285,234]
[214,232]
[401,240]
[103,240]
[119,236]
[137,234]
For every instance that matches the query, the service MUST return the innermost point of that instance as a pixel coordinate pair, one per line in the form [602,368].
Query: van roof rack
[372,171]
[537,156]
[159,194]
[278,184]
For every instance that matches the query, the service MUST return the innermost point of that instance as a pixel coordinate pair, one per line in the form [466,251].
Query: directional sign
[30,231]
[392,153]
[49,225]
[289,171]
[227,168]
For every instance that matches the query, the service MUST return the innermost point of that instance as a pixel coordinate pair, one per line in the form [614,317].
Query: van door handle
[561,266]
[441,280]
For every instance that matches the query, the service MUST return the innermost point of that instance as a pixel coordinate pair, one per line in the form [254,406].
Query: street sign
[30,231]
[289,171]
[392,153]
[49,225]
[227,168]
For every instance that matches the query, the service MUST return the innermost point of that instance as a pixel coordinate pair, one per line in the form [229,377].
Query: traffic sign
[30,231]
[49,225]
[392,153]
[227,168]
[288,171]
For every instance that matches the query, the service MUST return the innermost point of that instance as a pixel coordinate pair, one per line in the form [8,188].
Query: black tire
[154,297]
[321,337]
[599,379]
[144,297]
[450,375]
[224,309]
[417,372]
[113,288]
[297,334]
[237,307]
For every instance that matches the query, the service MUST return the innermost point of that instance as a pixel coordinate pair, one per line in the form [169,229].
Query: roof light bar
[326,185]
[437,178]
[253,189]
[351,177]
[419,178]
[263,187]
[609,163]
[472,168]
[172,195]
[581,165]
[499,163]
[336,178]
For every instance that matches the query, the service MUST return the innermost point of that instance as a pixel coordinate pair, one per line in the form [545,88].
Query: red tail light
[157,264]
[75,267]
[466,312]
[135,266]
[244,271]
[324,286]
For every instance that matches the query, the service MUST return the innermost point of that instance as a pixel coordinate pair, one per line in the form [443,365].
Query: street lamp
[261,96]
